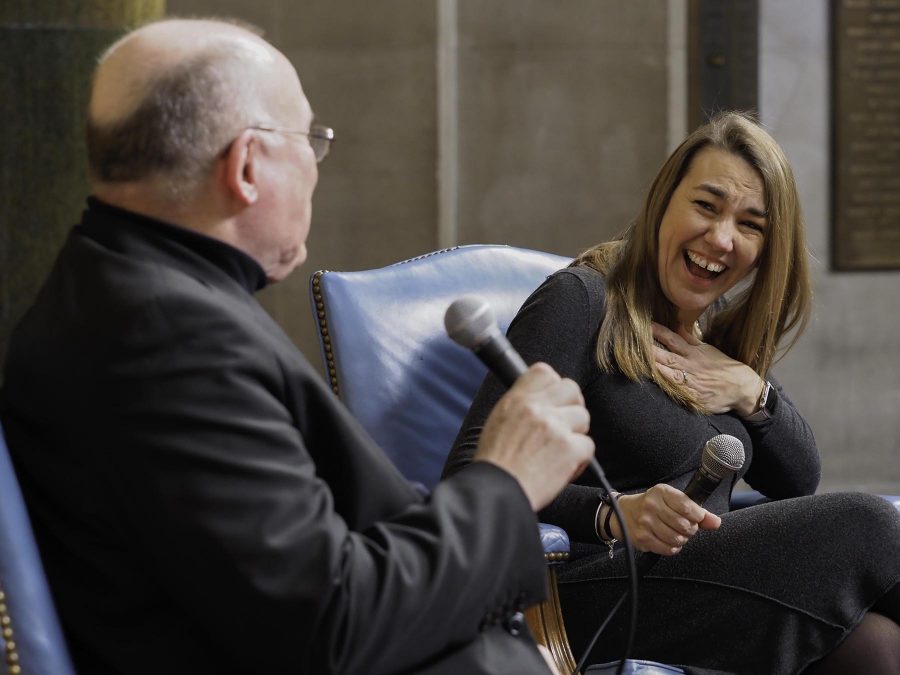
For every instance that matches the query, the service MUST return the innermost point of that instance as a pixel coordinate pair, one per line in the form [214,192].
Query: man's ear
[242,170]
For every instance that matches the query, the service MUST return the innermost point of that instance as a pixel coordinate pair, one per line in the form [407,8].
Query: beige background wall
[540,124]
[562,118]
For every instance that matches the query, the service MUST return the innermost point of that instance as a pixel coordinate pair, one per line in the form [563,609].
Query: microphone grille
[470,321]
[723,455]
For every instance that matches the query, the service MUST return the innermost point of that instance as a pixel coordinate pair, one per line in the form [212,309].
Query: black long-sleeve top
[642,436]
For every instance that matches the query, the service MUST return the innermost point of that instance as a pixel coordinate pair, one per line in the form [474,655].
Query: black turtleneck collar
[241,267]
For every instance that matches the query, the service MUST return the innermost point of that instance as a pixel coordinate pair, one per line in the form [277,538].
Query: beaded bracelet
[606,498]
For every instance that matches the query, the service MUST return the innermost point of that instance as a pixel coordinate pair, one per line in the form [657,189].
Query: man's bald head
[169,97]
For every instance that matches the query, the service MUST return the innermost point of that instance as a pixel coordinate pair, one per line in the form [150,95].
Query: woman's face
[712,231]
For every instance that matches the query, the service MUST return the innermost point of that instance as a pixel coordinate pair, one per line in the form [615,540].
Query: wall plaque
[865,134]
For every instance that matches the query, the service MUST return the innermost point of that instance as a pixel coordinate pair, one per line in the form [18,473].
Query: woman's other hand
[662,519]
[719,382]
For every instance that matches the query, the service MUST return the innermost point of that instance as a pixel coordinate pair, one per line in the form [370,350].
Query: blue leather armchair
[30,636]
[388,358]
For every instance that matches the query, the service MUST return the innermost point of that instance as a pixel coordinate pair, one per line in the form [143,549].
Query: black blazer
[203,503]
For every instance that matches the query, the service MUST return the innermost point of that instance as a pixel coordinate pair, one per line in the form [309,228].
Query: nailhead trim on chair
[12,656]
[557,556]
[323,329]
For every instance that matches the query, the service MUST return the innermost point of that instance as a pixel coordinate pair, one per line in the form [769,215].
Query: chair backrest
[388,357]
[30,634]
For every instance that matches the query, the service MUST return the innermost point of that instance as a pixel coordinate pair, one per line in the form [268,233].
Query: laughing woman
[671,331]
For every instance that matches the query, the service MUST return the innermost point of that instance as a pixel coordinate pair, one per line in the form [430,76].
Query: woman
[671,331]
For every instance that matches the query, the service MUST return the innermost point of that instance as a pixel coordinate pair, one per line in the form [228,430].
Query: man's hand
[537,433]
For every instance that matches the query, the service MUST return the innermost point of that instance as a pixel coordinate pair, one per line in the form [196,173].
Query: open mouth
[701,267]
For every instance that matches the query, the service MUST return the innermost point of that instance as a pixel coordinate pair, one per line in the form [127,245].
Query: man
[202,502]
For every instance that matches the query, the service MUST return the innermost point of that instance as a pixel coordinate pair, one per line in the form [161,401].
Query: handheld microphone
[723,455]
[470,322]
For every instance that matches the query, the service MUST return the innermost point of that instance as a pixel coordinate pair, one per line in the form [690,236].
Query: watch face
[766,404]
[764,396]
[768,398]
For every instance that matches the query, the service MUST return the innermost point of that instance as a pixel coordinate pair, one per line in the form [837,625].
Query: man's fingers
[565,392]
[538,376]
[537,432]
[580,468]
[574,417]
[543,384]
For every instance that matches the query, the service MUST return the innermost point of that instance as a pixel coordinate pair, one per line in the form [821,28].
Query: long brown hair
[751,325]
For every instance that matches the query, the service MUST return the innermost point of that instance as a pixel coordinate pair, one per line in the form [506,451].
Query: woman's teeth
[708,265]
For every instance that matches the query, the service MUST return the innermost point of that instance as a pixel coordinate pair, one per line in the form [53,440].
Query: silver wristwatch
[766,405]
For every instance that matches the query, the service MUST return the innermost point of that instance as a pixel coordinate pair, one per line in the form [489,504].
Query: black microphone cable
[632,583]
[722,456]
[471,323]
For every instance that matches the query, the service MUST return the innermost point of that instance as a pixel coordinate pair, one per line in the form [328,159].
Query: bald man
[202,502]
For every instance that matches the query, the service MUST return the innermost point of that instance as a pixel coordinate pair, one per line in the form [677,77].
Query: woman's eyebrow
[722,194]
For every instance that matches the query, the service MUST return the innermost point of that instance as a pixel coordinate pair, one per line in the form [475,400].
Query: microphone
[471,323]
[723,455]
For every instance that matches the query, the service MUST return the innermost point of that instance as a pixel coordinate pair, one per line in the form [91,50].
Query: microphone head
[470,321]
[722,455]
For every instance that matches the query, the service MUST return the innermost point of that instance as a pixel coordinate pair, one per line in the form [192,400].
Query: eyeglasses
[320,137]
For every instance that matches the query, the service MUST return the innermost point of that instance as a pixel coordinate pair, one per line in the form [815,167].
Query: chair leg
[546,623]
